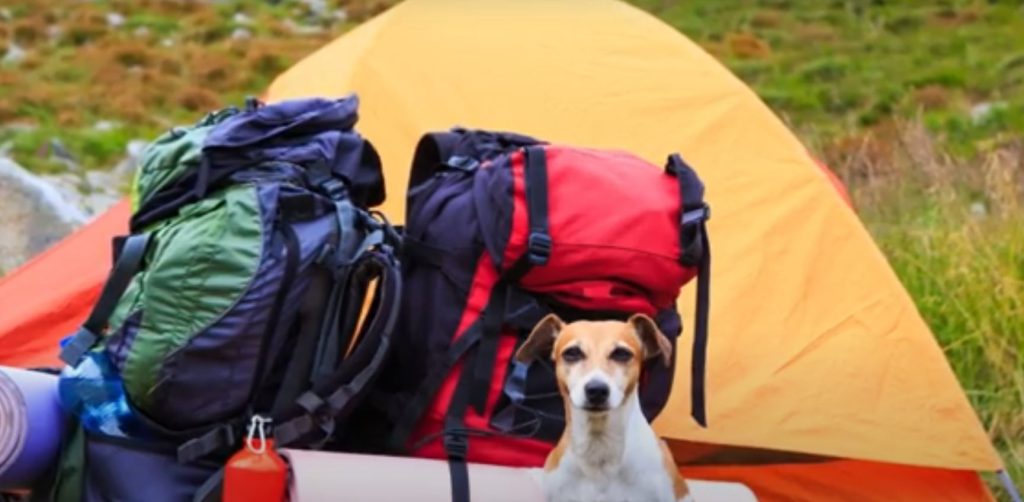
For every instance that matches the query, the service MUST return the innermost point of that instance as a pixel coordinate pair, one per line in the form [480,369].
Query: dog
[608,450]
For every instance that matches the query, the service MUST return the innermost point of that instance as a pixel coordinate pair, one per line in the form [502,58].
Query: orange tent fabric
[815,346]
[849,480]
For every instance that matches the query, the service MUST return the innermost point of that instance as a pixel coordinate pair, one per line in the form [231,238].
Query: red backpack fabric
[502,229]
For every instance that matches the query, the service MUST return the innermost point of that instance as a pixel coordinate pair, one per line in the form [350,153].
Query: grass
[167,60]
[953,231]
[883,90]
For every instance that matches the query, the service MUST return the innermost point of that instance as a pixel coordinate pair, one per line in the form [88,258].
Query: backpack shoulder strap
[336,396]
[129,260]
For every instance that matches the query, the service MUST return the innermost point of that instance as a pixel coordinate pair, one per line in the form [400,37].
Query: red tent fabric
[48,297]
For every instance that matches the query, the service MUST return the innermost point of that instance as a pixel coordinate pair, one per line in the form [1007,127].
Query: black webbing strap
[297,375]
[456,441]
[700,338]
[539,242]
[128,263]
[695,251]
[487,353]
[212,489]
[328,346]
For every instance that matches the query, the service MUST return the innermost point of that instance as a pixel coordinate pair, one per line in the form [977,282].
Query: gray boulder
[33,215]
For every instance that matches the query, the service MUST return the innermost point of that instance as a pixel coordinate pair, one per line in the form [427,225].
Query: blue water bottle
[94,393]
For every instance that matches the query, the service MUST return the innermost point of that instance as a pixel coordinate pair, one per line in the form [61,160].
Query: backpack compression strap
[128,262]
[695,251]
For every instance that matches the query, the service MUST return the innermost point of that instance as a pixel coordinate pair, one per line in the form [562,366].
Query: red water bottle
[256,473]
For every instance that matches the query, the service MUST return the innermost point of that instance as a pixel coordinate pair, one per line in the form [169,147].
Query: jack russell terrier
[609,451]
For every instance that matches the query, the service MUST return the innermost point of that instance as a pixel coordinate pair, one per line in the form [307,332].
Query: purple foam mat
[31,425]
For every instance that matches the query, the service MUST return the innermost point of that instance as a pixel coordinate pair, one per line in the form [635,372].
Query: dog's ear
[654,341]
[541,339]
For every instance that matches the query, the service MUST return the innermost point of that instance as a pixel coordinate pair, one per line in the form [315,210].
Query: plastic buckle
[703,213]
[462,163]
[326,256]
[456,445]
[81,342]
[538,248]
[312,403]
[319,412]
[334,188]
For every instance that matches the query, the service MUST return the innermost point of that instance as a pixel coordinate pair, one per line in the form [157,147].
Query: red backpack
[502,229]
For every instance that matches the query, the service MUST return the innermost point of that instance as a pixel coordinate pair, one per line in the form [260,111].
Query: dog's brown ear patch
[654,341]
[541,339]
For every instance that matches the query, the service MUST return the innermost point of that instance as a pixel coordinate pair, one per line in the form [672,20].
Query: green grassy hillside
[918,105]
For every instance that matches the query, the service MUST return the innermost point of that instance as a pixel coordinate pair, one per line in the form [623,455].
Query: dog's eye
[572,354]
[620,355]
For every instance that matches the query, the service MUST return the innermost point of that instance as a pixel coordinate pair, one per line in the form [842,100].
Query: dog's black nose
[597,393]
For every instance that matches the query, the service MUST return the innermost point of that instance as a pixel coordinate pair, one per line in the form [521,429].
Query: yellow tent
[824,382]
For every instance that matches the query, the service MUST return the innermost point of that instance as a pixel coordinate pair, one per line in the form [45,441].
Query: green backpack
[241,287]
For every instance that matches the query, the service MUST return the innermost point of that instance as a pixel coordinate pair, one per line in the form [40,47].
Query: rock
[70,186]
[136,147]
[242,19]
[241,34]
[102,191]
[15,54]
[33,215]
[106,125]
[978,210]
[19,127]
[141,32]
[115,20]
[302,29]
[92,194]
[167,42]
[99,203]
[59,153]
[318,8]
[54,32]
[98,181]
[982,111]
[340,15]
[125,169]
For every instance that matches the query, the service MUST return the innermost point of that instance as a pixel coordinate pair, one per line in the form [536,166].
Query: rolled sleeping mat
[31,426]
[324,476]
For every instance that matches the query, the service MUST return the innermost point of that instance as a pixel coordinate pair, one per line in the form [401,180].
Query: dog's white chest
[653,486]
[639,477]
